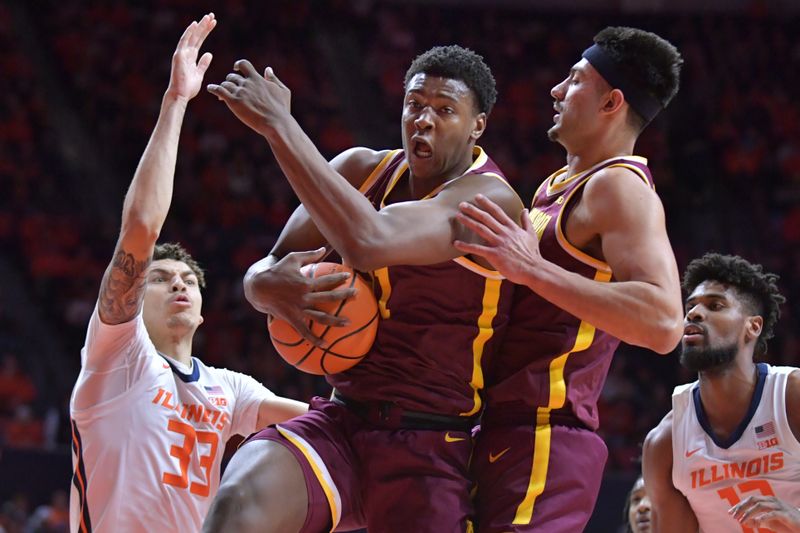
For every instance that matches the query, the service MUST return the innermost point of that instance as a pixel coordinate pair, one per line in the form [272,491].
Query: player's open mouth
[181,299]
[422,149]
[693,332]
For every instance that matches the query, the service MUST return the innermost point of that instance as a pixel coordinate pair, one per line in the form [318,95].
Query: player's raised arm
[411,232]
[150,193]
[670,510]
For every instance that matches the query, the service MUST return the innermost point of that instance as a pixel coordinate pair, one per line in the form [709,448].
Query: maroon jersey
[439,323]
[551,364]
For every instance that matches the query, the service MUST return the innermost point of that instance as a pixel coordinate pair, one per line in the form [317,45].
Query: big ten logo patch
[216,395]
[769,443]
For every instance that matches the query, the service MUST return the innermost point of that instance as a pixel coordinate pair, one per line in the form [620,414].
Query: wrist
[172,97]
[537,271]
[277,127]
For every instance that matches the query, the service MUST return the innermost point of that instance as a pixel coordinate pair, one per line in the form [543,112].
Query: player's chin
[423,167]
[185,318]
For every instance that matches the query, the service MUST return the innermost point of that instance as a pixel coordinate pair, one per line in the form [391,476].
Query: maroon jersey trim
[377,171]
[320,470]
[491,298]
[558,397]
[561,237]
[554,188]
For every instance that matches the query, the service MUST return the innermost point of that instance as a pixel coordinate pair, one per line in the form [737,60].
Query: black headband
[640,100]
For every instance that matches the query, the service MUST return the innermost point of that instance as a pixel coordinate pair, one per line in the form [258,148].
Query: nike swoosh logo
[448,438]
[495,457]
[691,453]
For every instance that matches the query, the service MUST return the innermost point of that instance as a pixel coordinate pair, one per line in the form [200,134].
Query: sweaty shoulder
[498,190]
[617,196]
[615,183]
[356,164]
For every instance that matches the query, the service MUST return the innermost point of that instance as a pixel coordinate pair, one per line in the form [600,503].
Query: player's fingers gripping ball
[347,345]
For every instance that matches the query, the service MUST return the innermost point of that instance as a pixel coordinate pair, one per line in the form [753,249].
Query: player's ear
[480,126]
[753,327]
[613,101]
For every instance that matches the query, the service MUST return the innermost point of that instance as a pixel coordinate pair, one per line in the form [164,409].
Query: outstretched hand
[187,73]
[511,249]
[767,512]
[258,101]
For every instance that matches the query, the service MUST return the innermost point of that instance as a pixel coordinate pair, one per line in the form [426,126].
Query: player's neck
[419,188]
[727,394]
[175,346]
[581,159]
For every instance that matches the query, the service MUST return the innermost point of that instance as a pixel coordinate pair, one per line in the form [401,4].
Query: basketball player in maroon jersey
[594,266]
[396,434]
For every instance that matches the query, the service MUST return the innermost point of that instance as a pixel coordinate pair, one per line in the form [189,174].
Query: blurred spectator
[23,430]
[52,517]
[16,387]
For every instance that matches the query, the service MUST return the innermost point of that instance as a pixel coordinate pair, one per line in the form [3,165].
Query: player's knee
[263,490]
[226,511]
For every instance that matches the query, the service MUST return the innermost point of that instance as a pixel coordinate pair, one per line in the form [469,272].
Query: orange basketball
[347,345]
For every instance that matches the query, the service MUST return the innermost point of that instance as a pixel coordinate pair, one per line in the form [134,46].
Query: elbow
[250,286]
[666,335]
[363,254]
[139,231]
[256,282]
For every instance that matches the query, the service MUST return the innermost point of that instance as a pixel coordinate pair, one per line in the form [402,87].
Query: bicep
[671,512]
[122,288]
[422,232]
[634,238]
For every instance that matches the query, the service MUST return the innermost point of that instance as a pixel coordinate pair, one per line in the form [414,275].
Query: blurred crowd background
[82,89]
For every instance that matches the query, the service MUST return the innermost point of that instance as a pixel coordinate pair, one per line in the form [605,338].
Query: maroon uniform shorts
[359,474]
[536,478]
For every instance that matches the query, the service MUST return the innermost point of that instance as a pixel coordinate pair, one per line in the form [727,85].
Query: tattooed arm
[150,192]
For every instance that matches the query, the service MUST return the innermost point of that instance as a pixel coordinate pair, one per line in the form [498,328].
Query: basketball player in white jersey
[727,457]
[150,421]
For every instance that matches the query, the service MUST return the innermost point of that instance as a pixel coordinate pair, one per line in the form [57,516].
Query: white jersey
[762,457]
[148,438]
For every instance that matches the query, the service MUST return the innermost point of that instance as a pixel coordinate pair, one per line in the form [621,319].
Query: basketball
[347,345]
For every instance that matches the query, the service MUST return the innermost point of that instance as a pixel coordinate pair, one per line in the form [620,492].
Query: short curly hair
[176,252]
[649,60]
[458,63]
[759,289]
